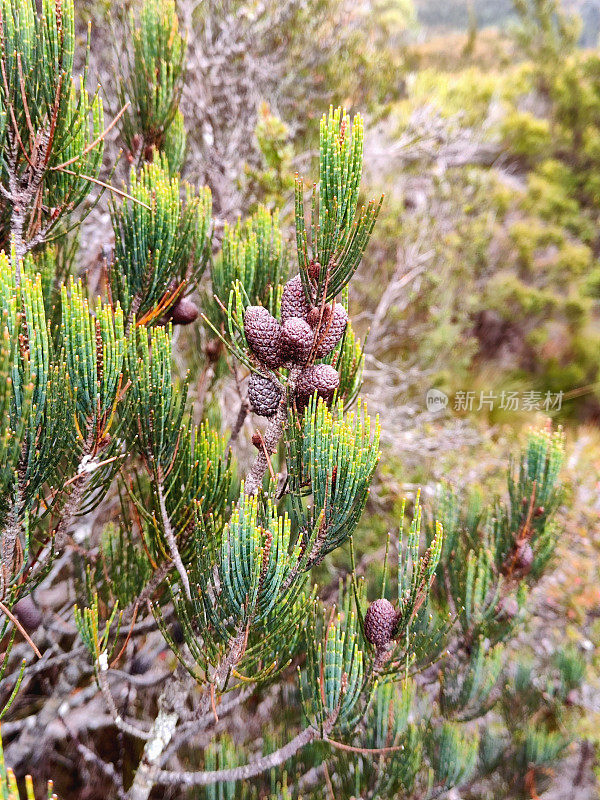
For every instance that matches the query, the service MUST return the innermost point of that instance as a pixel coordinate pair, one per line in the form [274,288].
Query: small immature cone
[28,614]
[297,340]
[380,623]
[293,300]
[264,395]
[263,333]
[331,330]
[319,378]
[314,270]
[183,312]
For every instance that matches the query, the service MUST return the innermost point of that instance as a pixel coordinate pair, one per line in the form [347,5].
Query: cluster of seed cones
[305,333]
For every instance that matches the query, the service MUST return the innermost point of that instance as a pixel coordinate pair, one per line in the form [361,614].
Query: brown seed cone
[331,331]
[293,300]
[263,333]
[296,340]
[264,395]
[380,622]
[28,614]
[184,312]
[320,378]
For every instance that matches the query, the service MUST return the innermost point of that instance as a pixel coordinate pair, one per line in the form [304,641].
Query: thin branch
[157,578]
[18,625]
[150,679]
[121,724]
[251,770]
[170,537]
[244,407]
[89,756]
[96,141]
[363,750]
[24,97]
[273,434]
[171,706]
[114,189]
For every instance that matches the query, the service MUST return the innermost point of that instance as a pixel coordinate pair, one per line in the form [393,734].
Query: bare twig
[18,625]
[96,141]
[273,434]
[123,725]
[108,186]
[170,537]
[171,707]
[251,770]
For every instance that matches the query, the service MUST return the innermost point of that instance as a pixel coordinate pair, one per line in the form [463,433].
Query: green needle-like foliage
[55,262]
[254,254]
[389,714]
[231,333]
[505,545]
[466,688]
[187,466]
[125,561]
[392,723]
[222,755]
[419,632]
[415,575]
[335,665]
[200,479]
[13,419]
[348,358]
[174,143]
[88,392]
[331,456]
[338,235]
[256,561]
[245,590]
[39,54]
[541,747]
[161,242]
[50,129]
[155,408]
[155,80]
[193,488]
[453,753]
[88,623]
[94,345]
[25,315]
[73,147]
[38,410]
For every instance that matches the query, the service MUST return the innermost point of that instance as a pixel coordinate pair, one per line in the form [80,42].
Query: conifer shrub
[176,605]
